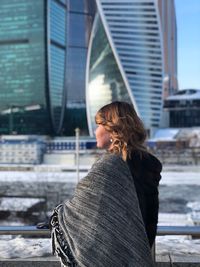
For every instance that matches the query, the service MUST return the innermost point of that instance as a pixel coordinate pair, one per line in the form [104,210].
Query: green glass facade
[22,66]
[43,51]
[32,66]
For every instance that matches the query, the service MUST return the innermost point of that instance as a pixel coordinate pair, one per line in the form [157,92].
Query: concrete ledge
[161,261]
[189,261]
[31,262]
[178,261]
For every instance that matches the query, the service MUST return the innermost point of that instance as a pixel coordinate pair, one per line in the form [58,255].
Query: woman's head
[120,128]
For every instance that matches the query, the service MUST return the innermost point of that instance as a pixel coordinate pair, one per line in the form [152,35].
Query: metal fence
[193,231]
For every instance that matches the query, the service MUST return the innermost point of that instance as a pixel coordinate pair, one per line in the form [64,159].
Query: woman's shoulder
[110,158]
[110,162]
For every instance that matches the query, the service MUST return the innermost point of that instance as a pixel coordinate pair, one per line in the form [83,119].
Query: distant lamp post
[77,132]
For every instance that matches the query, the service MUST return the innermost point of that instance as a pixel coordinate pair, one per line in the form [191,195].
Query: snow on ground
[24,247]
[27,248]
[175,178]
[168,177]
[50,177]
[18,204]
[178,245]
[174,219]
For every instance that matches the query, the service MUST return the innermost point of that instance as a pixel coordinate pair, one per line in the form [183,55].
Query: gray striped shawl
[102,223]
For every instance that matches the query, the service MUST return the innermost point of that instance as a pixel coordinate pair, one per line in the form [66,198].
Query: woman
[102,225]
[122,132]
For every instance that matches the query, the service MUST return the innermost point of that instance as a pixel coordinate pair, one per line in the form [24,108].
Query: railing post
[77,131]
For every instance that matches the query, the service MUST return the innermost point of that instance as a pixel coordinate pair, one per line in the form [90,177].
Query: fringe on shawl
[60,247]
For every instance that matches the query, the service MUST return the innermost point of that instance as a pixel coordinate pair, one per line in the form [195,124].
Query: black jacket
[145,169]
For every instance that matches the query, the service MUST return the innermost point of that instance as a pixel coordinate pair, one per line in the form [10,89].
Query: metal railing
[193,231]
[24,231]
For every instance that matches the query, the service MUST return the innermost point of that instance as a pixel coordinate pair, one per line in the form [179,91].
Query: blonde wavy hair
[125,127]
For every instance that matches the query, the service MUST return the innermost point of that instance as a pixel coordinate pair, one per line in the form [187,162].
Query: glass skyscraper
[32,66]
[127,57]
[80,18]
[61,60]
[130,55]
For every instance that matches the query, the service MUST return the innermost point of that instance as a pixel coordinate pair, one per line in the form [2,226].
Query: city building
[21,149]
[80,19]
[184,108]
[131,55]
[32,66]
[60,61]
[169,31]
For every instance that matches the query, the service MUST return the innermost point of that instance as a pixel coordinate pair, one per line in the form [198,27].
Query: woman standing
[104,224]
[122,132]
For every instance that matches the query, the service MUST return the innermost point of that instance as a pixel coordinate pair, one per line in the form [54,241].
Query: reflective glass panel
[57,23]
[85,6]
[105,80]
[80,27]
[76,83]
[22,67]
[58,33]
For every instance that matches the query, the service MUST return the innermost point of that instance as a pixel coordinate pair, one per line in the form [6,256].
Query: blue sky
[188,33]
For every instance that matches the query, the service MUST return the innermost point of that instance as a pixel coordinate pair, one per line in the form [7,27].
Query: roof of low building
[186,94]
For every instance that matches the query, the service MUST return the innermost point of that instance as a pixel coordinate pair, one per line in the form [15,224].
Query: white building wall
[20,153]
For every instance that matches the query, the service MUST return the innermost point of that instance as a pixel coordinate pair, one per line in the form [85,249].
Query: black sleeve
[152,206]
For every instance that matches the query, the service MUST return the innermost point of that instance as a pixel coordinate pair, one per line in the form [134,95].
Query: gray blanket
[101,226]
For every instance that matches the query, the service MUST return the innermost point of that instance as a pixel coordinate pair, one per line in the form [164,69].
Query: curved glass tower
[105,82]
[125,59]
